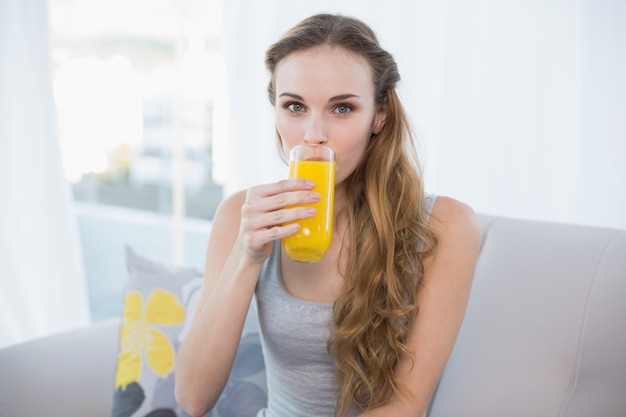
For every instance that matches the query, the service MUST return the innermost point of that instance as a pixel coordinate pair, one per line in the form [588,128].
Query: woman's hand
[266,210]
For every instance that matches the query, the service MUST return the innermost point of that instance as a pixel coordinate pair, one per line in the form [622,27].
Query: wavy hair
[387,236]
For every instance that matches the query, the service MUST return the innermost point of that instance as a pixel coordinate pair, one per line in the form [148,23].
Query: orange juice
[311,242]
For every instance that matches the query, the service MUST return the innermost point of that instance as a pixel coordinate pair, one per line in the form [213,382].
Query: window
[135,85]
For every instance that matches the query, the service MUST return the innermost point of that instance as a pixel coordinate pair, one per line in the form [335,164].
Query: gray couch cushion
[544,333]
[69,374]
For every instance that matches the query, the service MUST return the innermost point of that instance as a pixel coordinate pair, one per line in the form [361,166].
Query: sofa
[544,335]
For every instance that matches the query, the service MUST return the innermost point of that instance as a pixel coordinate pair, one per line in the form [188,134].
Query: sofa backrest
[545,332]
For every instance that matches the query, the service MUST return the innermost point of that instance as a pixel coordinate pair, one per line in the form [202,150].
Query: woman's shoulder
[458,242]
[454,218]
[228,212]
[233,201]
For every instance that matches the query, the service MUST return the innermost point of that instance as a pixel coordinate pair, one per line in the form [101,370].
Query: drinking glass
[315,163]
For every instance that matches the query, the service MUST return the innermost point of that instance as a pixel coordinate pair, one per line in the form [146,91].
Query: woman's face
[325,95]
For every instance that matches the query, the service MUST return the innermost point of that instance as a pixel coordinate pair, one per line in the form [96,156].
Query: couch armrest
[70,374]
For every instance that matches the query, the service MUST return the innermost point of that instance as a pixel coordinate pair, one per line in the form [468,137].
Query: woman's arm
[206,354]
[442,299]
[244,227]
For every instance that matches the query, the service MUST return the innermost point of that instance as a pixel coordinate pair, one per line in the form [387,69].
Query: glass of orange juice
[315,163]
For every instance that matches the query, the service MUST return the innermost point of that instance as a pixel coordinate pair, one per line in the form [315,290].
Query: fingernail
[310,183]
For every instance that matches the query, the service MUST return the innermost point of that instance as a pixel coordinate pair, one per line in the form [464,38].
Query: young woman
[367,330]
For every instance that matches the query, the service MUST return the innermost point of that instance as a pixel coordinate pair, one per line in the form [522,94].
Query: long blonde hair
[386,237]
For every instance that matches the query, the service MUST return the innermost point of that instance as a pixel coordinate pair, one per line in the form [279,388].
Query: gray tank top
[294,333]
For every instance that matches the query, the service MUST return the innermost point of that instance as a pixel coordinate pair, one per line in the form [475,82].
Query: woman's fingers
[277,210]
[270,198]
[269,208]
[277,195]
[259,240]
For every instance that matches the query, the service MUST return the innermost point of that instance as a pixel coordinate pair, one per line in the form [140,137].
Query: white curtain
[519,105]
[42,287]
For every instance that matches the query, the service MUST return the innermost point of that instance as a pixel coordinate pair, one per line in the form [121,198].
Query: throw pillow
[159,303]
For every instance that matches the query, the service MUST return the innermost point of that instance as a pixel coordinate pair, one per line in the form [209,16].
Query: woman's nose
[315,132]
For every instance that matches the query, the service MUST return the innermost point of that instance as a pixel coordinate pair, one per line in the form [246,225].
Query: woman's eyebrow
[294,96]
[343,97]
[340,97]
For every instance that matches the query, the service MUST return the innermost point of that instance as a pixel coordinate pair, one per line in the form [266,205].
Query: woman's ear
[379,119]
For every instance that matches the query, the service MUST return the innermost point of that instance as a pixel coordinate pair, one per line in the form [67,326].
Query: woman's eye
[343,109]
[294,107]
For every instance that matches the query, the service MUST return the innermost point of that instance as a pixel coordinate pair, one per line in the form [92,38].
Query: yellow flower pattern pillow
[140,334]
[159,301]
